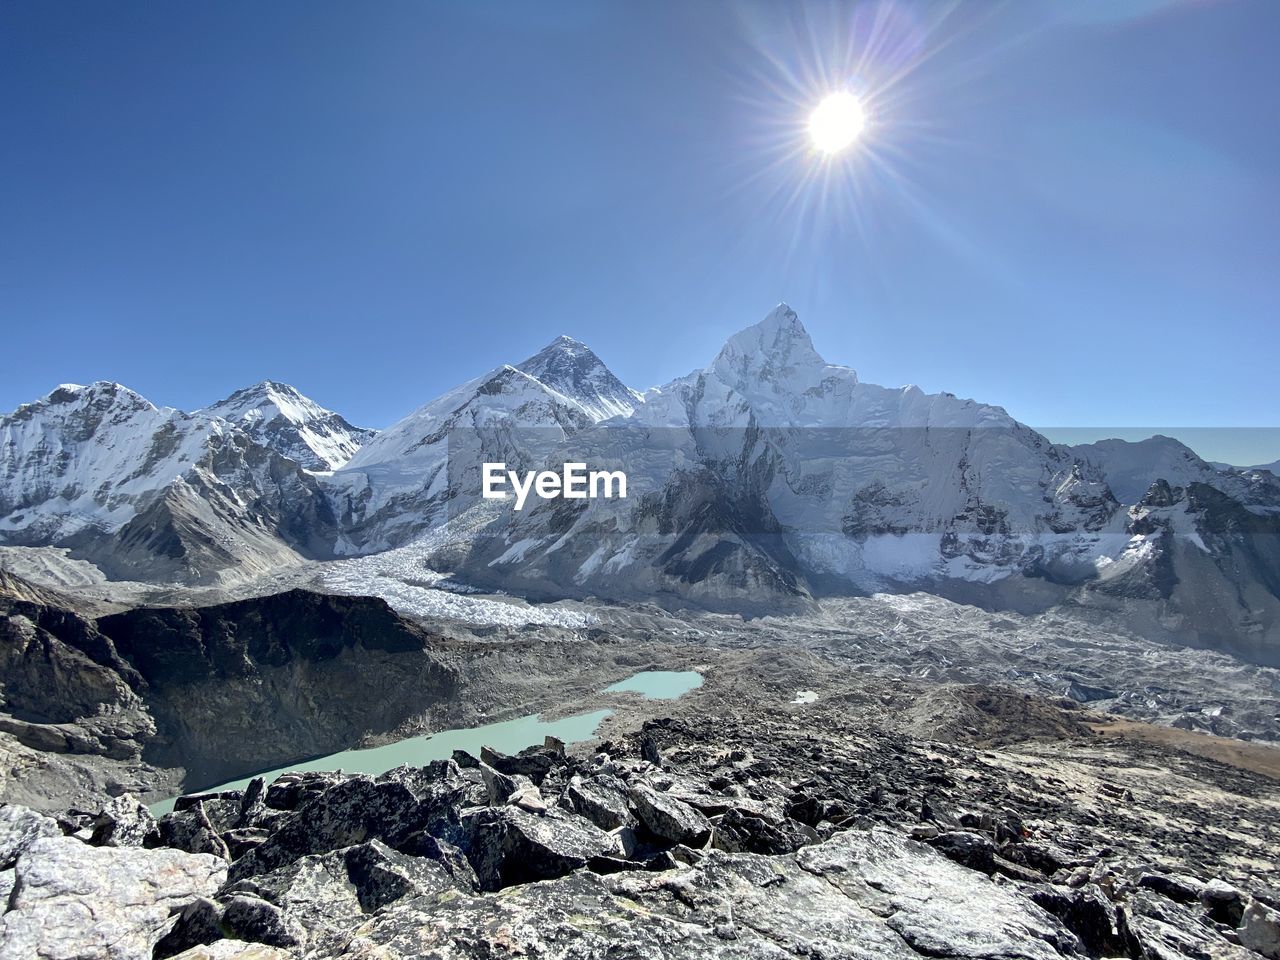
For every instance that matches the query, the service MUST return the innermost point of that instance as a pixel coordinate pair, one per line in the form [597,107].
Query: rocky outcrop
[88,707]
[750,836]
[70,899]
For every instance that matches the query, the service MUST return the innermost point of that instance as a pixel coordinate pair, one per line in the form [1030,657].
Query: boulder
[1087,913]
[1260,929]
[602,800]
[19,828]
[668,818]
[257,921]
[534,762]
[1157,927]
[741,831]
[189,800]
[198,923]
[938,907]
[346,814]
[322,897]
[1178,887]
[124,822]
[381,875]
[499,786]
[972,850]
[234,950]
[191,830]
[253,803]
[99,903]
[508,845]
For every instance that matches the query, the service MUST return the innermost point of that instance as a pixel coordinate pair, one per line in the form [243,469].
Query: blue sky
[1066,208]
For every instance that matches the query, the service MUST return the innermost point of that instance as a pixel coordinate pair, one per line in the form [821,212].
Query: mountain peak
[279,416]
[100,393]
[773,349]
[561,345]
[571,368]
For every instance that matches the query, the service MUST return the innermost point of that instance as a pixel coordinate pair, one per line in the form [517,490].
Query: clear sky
[1067,208]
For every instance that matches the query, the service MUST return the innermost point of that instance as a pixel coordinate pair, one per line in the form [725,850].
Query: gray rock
[971,850]
[382,876]
[72,900]
[125,822]
[192,831]
[348,813]
[534,763]
[1155,927]
[189,800]
[938,907]
[234,950]
[1087,913]
[323,897]
[602,800]
[255,920]
[508,845]
[19,828]
[1260,929]
[668,818]
[253,803]
[199,922]
[499,786]
[742,831]
[856,897]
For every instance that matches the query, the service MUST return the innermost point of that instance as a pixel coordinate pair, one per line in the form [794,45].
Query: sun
[837,122]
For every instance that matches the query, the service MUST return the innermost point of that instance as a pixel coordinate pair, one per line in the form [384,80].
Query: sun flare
[837,122]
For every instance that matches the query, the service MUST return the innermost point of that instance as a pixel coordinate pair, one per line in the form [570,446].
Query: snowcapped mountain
[571,369]
[771,468]
[152,492]
[771,476]
[278,416]
[81,458]
[756,483]
[408,478]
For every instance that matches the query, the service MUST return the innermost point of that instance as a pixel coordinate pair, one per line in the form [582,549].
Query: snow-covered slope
[771,475]
[277,416]
[80,458]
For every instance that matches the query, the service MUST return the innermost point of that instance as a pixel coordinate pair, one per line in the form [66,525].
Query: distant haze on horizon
[1069,210]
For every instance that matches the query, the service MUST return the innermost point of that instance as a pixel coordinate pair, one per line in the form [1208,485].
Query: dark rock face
[284,677]
[232,673]
[172,647]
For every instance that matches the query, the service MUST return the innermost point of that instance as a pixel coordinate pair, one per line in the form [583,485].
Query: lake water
[509,736]
[659,684]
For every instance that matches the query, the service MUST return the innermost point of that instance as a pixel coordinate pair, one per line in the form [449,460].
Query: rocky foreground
[764,834]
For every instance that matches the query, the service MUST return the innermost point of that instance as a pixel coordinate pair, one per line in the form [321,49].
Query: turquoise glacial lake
[509,736]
